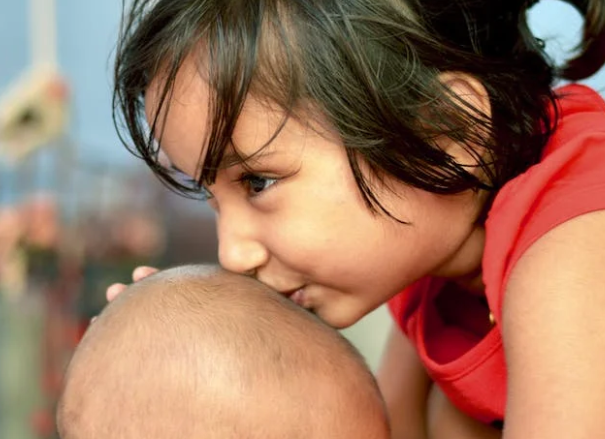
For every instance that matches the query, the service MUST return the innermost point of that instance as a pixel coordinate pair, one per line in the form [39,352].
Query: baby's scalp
[215,346]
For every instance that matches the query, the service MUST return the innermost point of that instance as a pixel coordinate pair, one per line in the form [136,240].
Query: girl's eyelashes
[203,193]
[190,185]
[255,184]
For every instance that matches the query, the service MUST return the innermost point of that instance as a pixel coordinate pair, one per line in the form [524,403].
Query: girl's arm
[554,335]
[405,386]
[445,421]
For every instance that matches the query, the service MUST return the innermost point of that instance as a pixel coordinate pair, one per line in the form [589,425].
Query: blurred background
[78,212]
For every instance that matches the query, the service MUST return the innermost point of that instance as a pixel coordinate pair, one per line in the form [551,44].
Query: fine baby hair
[372,71]
[196,352]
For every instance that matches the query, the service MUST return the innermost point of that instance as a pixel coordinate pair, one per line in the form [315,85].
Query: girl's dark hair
[370,68]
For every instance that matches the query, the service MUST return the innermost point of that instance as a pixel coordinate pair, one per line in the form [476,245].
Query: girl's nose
[239,250]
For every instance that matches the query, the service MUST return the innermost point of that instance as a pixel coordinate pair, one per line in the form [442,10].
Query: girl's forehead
[184,116]
[187,88]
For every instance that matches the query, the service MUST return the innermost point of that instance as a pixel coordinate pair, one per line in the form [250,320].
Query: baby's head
[196,352]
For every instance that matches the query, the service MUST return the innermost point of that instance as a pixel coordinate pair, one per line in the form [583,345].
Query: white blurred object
[35,110]
[33,113]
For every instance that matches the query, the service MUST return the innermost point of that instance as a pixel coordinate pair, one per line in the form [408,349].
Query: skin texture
[554,334]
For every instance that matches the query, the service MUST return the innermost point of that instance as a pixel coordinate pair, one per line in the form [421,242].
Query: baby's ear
[472,103]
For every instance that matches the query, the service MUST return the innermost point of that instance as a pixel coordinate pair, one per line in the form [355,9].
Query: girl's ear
[470,95]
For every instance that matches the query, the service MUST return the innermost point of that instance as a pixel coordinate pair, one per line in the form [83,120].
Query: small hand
[139,273]
[114,290]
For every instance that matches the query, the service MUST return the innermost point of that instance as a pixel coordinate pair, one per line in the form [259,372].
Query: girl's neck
[465,269]
[473,282]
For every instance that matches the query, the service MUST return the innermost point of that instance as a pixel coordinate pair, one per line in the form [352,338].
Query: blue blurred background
[86,33]
[33,336]
[86,39]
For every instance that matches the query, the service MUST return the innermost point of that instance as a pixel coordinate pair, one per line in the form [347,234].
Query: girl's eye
[255,184]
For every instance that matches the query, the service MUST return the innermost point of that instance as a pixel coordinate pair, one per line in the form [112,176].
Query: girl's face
[295,219]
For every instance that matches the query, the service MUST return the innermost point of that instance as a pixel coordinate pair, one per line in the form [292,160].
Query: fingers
[139,273]
[142,272]
[113,291]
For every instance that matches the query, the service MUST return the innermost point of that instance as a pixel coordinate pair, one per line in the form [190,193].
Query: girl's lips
[298,297]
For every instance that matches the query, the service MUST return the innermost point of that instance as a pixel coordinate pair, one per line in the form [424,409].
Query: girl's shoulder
[569,181]
[577,96]
[581,113]
[576,146]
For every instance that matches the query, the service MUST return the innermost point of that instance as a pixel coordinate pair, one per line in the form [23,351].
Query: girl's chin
[337,319]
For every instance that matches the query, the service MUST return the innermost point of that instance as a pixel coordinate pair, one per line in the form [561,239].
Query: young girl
[359,152]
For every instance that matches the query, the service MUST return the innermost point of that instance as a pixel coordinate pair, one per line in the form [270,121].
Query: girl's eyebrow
[230,159]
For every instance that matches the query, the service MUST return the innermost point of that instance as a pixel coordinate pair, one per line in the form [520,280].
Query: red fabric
[569,181]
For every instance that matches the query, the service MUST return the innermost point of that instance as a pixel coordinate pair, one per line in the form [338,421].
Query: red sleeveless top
[569,181]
